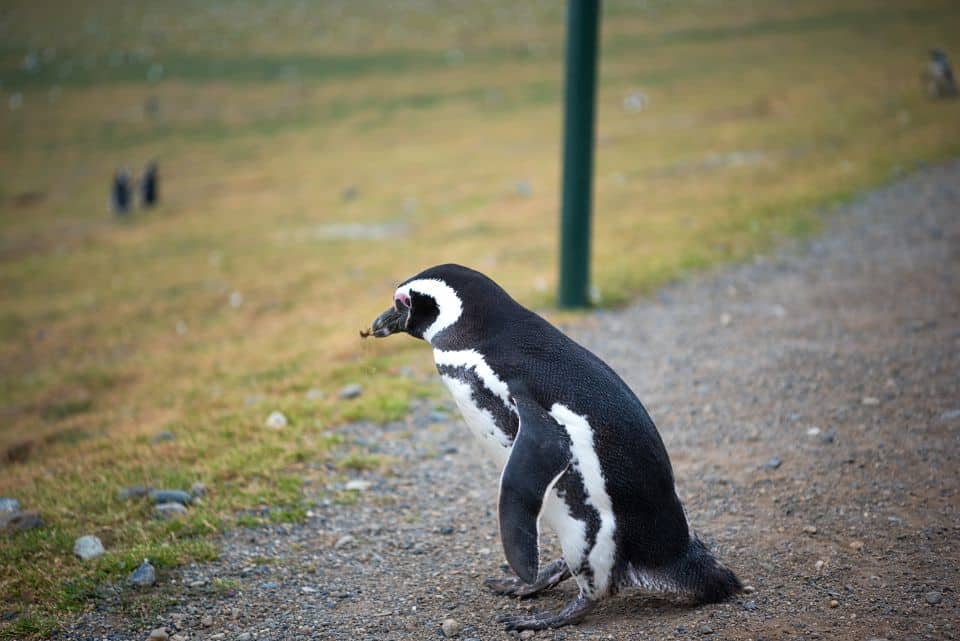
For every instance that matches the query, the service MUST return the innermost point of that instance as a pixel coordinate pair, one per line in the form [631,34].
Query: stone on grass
[351,391]
[144,576]
[135,492]
[9,505]
[20,521]
[198,489]
[171,496]
[276,421]
[160,634]
[160,437]
[170,510]
[88,547]
[450,627]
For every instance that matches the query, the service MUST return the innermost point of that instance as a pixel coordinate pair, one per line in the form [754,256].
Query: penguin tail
[700,576]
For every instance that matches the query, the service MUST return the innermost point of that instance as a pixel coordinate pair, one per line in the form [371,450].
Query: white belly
[480,421]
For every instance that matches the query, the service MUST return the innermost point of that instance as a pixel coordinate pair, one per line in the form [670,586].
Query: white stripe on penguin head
[448,303]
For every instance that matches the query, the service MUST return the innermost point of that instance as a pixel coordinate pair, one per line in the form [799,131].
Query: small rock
[343,541]
[705,629]
[446,531]
[88,547]
[20,521]
[773,463]
[527,634]
[749,589]
[160,437]
[358,485]
[450,627]
[144,576]
[949,415]
[725,319]
[183,637]
[438,417]
[813,431]
[160,634]
[306,589]
[856,545]
[236,300]
[9,505]
[810,529]
[198,489]
[819,565]
[206,621]
[246,636]
[870,401]
[171,496]
[135,492]
[349,193]
[834,603]
[933,597]
[750,605]
[269,585]
[351,391]
[276,421]
[170,510]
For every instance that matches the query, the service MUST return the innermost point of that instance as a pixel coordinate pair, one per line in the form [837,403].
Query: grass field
[314,154]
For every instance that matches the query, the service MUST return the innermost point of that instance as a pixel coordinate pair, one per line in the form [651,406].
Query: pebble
[358,485]
[725,319]
[276,421]
[20,521]
[705,629]
[170,510]
[810,529]
[171,496]
[527,634]
[160,634]
[351,391]
[343,541]
[206,621]
[144,576]
[183,637]
[88,547]
[270,585]
[750,605]
[450,627]
[949,415]
[856,545]
[773,463]
[749,589]
[160,437]
[870,401]
[236,300]
[933,597]
[246,636]
[834,603]
[198,489]
[9,505]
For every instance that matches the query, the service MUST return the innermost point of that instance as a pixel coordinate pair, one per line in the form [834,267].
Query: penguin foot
[548,577]
[572,613]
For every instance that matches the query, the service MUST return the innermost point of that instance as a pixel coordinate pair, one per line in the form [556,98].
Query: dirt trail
[810,402]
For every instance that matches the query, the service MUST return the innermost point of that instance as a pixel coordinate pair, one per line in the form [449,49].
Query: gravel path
[810,403]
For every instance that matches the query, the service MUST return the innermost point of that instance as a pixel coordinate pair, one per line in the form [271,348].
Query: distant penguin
[577,449]
[938,76]
[149,186]
[120,193]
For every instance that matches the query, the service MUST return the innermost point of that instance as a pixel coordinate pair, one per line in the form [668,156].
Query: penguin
[578,451]
[149,185]
[120,192]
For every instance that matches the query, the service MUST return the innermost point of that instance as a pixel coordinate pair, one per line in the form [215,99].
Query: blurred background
[311,155]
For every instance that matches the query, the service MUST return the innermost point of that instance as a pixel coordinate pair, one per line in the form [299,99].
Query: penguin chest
[483,400]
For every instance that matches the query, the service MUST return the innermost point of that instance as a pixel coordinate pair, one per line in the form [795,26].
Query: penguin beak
[390,322]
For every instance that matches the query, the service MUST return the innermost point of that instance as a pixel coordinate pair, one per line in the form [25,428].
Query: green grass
[761,116]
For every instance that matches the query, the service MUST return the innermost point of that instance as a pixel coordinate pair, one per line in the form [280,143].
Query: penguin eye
[402,299]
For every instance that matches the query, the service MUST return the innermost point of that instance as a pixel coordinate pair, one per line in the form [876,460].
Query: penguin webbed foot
[573,612]
[548,577]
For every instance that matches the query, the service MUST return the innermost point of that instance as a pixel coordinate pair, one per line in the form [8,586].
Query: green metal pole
[581,85]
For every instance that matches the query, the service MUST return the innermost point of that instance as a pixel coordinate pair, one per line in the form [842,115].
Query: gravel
[815,329]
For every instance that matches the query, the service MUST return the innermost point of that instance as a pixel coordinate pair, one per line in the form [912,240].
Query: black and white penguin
[577,448]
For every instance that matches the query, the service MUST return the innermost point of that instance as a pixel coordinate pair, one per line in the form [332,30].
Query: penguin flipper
[540,455]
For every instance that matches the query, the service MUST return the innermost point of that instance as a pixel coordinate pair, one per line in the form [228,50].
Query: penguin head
[442,297]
